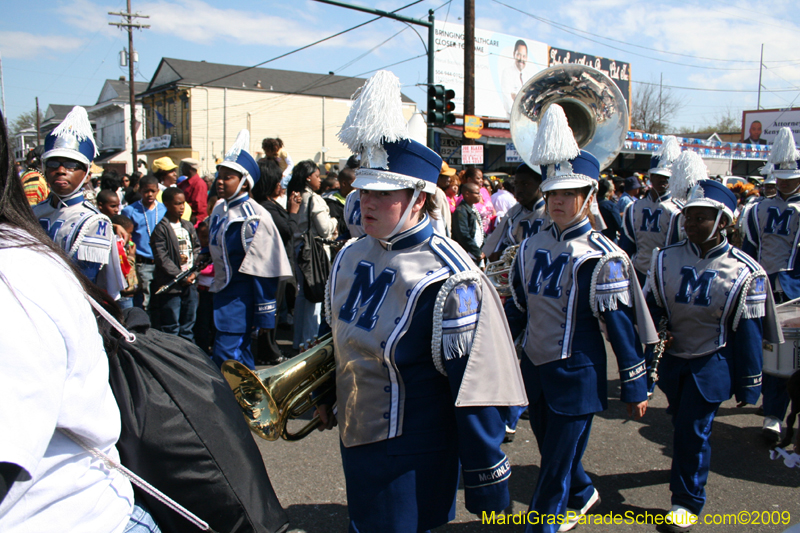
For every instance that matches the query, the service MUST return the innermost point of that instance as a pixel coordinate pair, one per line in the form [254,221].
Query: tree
[727,121]
[653,107]
[25,120]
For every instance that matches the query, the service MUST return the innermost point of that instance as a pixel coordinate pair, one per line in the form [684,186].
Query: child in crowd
[204,325]
[175,249]
[145,214]
[127,260]
[467,228]
[108,203]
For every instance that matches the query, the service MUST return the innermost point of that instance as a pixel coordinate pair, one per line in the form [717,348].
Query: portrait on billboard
[755,130]
[514,76]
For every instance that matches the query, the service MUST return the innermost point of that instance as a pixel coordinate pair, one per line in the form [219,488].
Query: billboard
[616,70]
[761,127]
[503,63]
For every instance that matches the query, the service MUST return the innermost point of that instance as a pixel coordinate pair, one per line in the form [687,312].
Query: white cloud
[23,45]
[91,17]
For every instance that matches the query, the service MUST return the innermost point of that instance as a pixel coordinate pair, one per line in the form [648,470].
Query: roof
[172,72]
[57,112]
[118,90]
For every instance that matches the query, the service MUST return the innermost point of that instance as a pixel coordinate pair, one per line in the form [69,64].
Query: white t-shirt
[54,374]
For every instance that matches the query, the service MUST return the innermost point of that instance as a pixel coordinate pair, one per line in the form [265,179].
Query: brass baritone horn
[497,271]
[270,398]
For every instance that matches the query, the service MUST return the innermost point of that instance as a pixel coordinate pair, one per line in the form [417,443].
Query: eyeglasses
[69,164]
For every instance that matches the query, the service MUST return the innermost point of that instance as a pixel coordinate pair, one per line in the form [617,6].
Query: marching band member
[567,280]
[425,365]
[652,222]
[715,298]
[248,254]
[526,218]
[771,237]
[69,219]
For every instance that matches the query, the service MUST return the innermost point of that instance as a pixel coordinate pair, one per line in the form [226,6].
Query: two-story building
[196,109]
[111,118]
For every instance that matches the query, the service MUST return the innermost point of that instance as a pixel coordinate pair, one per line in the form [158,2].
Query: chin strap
[716,224]
[77,189]
[580,215]
[403,218]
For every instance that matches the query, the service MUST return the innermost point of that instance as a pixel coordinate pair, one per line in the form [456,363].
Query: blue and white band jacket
[352,214]
[718,309]
[648,225]
[518,224]
[701,295]
[564,284]
[249,259]
[772,236]
[87,236]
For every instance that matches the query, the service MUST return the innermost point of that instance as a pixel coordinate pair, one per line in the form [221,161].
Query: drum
[783,360]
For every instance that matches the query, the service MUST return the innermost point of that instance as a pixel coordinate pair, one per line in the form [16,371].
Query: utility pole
[129,25]
[469,61]
[3,90]
[660,108]
[38,138]
[760,67]
[408,20]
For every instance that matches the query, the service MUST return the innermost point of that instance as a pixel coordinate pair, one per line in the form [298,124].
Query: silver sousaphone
[597,114]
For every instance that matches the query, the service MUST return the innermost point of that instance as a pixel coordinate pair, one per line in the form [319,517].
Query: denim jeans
[146,273]
[176,313]
[141,521]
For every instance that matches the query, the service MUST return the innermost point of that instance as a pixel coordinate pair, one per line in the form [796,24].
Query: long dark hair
[270,177]
[16,213]
[300,174]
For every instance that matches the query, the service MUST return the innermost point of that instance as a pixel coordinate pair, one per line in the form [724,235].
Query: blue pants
[146,273]
[141,521]
[307,316]
[562,480]
[176,313]
[692,417]
[233,346]
[776,396]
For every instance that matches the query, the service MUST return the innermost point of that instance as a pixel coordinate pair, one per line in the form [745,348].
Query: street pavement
[628,460]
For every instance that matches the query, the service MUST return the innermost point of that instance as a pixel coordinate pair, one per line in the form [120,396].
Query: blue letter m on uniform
[650,218]
[775,217]
[366,291]
[691,285]
[544,269]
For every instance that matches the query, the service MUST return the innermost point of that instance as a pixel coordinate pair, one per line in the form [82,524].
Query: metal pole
[224,119]
[469,61]
[431,39]
[760,67]
[38,138]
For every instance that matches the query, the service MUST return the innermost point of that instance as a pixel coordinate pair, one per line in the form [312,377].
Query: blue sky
[63,50]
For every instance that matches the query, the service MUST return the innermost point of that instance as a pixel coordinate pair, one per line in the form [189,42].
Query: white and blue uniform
[648,225]
[411,409]
[86,235]
[715,306]
[518,224]
[249,259]
[352,214]
[564,285]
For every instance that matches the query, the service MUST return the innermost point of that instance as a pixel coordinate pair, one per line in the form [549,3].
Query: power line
[713,90]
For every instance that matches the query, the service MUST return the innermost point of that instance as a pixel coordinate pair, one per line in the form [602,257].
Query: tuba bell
[270,398]
[597,114]
[595,108]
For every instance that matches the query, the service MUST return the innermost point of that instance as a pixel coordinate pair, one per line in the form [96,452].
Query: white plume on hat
[77,125]
[376,116]
[687,170]
[667,153]
[782,160]
[242,142]
[555,142]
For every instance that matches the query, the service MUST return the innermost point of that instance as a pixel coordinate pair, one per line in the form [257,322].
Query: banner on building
[512,156]
[503,63]
[618,71]
[472,154]
[761,127]
[155,143]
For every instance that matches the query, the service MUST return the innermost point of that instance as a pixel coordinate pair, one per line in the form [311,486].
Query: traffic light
[440,105]
[449,106]
[436,104]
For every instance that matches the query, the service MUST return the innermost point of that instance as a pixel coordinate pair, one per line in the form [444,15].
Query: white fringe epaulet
[745,310]
[783,153]
[609,300]
[328,316]
[92,253]
[242,143]
[511,273]
[455,346]
[555,142]
[687,170]
[376,116]
[651,277]
[77,124]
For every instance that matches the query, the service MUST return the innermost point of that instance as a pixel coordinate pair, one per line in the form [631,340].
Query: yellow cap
[164,164]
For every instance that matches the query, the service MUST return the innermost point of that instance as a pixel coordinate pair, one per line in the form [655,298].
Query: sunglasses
[68,164]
